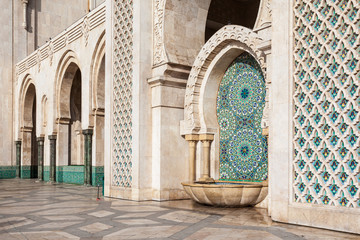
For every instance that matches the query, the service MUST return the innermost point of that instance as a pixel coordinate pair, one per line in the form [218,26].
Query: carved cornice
[226,35]
[82,27]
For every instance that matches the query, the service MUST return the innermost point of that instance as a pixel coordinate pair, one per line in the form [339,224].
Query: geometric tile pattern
[75,174]
[97,175]
[122,93]
[327,102]
[7,172]
[30,210]
[25,171]
[70,174]
[240,105]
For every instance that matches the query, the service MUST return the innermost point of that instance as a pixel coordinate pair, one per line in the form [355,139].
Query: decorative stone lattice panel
[122,93]
[327,102]
[240,105]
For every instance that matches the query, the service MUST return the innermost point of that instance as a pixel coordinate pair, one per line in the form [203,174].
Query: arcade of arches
[241,90]
[61,122]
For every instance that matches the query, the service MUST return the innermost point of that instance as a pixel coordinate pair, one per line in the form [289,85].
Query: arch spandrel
[189,17]
[229,40]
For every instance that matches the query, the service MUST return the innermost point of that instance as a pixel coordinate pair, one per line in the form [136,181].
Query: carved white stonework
[82,27]
[85,28]
[38,59]
[228,34]
[24,2]
[326,166]
[264,15]
[122,158]
[66,39]
[17,72]
[159,48]
[50,52]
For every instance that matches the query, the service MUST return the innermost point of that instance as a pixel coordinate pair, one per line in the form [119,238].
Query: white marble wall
[47,78]
[6,72]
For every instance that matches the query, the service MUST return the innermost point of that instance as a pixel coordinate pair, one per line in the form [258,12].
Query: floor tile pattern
[37,211]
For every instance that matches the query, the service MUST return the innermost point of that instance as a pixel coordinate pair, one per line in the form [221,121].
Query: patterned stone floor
[35,211]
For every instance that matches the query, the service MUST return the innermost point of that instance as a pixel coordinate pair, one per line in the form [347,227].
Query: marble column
[18,158]
[40,142]
[88,155]
[52,139]
[192,140]
[206,140]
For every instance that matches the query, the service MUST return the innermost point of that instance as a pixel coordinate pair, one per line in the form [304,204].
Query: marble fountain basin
[227,193]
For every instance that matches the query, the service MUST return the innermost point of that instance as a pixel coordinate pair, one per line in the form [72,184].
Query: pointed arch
[65,73]
[27,96]
[97,76]
[28,131]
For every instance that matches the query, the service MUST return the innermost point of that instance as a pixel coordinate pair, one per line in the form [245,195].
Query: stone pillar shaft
[18,158]
[192,139]
[88,156]
[40,142]
[206,140]
[52,139]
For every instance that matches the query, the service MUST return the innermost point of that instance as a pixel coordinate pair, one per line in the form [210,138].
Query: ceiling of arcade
[235,12]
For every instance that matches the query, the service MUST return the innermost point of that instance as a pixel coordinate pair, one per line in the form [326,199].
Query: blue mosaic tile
[240,104]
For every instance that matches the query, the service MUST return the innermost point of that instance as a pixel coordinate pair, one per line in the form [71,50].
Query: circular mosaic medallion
[240,104]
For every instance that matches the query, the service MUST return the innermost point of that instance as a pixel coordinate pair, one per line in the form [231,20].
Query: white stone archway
[97,102]
[209,66]
[28,131]
[98,76]
[200,117]
[66,72]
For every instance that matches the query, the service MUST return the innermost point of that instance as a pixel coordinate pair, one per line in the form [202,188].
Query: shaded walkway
[30,210]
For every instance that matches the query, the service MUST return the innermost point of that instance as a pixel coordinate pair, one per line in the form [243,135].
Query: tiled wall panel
[326,103]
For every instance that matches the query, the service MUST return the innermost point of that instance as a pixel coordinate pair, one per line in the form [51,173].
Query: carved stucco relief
[226,35]
[264,15]
[159,48]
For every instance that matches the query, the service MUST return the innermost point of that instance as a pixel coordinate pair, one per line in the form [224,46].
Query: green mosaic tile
[46,173]
[7,172]
[97,175]
[70,174]
[240,104]
[25,172]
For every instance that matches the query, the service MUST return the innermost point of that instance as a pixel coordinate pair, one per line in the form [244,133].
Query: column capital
[52,137]
[26,129]
[192,137]
[206,137]
[265,131]
[88,131]
[63,120]
[18,142]
[40,139]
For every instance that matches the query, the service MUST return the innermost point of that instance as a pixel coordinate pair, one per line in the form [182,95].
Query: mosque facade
[142,95]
